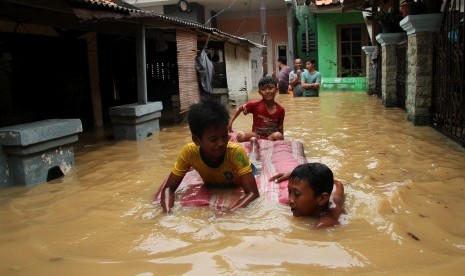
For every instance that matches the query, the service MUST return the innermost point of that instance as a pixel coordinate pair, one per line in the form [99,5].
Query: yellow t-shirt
[235,164]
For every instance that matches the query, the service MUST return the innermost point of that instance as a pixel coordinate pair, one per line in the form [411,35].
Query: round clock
[183,6]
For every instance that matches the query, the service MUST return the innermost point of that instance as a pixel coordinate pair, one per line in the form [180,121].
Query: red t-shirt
[264,123]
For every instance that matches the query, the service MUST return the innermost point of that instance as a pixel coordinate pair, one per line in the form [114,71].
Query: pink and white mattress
[274,157]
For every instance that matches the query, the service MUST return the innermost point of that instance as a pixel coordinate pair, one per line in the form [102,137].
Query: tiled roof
[322,6]
[196,26]
[328,2]
[110,5]
[148,17]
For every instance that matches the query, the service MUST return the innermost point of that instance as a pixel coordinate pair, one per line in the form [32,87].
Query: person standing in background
[283,75]
[311,80]
[295,78]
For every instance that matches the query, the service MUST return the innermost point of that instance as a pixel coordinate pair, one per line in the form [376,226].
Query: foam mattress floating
[273,157]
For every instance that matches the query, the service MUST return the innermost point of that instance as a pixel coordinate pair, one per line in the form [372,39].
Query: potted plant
[389,20]
[432,6]
[422,6]
[415,7]
[404,7]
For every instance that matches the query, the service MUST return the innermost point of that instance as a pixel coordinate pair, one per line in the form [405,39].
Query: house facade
[267,23]
[77,59]
[103,63]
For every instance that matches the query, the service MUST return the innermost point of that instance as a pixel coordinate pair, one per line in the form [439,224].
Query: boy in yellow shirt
[219,162]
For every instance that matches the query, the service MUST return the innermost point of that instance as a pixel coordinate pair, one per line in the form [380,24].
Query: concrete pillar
[370,69]
[389,43]
[291,34]
[421,32]
[141,67]
[94,78]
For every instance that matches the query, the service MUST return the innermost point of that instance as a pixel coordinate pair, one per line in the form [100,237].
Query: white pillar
[370,69]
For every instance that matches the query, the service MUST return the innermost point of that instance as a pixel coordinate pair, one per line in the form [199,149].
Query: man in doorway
[283,75]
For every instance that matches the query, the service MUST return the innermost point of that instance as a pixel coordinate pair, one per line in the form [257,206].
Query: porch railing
[401,60]
[448,83]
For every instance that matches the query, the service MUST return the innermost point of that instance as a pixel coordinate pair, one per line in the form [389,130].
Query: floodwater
[404,205]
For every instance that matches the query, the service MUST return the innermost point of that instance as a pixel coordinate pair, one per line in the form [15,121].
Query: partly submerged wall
[344,84]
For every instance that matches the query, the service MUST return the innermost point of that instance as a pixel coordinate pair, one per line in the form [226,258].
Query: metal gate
[379,64]
[401,55]
[448,82]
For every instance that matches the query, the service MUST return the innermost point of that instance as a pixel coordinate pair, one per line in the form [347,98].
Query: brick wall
[188,84]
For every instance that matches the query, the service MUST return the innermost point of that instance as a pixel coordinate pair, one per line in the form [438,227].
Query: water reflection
[404,200]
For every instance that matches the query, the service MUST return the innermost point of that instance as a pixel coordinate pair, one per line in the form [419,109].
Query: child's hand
[166,209]
[167,212]
[280,177]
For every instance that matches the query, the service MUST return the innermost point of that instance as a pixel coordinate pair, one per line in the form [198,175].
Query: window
[311,42]
[351,59]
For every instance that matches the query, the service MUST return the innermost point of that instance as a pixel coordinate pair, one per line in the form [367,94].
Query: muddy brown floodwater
[404,205]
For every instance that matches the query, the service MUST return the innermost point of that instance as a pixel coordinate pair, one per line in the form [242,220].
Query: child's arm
[318,81]
[281,123]
[331,217]
[238,110]
[167,194]
[249,185]
[280,177]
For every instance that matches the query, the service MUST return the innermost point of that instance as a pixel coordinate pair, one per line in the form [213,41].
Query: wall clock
[183,6]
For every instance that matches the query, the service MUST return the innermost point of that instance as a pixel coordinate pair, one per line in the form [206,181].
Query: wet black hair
[317,175]
[283,60]
[268,80]
[209,113]
[312,61]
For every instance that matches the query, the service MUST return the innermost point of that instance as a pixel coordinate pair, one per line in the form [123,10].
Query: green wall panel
[343,84]
[324,25]
[301,12]
[327,39]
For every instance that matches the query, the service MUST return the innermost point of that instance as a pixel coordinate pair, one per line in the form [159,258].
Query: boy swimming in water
[314,192]
[220,163]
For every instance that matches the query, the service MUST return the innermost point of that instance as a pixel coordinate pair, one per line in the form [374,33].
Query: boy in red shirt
[268,115]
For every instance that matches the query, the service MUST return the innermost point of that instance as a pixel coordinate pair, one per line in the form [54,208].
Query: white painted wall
[238,69]
[256,58]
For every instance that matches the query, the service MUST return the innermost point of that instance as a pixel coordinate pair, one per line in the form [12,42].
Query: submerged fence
[448,82]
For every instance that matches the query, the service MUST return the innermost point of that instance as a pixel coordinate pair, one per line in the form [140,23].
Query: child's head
[208,122]
[310,186]
[267,80]
[268,87]
[208,113]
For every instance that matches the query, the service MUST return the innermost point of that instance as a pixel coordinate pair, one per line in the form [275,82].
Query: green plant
[432,6]
[425,6]
[388,16]
[341,71]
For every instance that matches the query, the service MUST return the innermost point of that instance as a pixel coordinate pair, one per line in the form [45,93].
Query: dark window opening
[351,59]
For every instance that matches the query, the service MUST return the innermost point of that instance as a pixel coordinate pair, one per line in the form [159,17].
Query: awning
[110,10]
[336,6]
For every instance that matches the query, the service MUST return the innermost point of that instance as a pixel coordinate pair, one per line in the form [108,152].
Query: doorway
[281,51]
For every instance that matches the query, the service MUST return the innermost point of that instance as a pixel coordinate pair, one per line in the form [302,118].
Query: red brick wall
[189,92]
